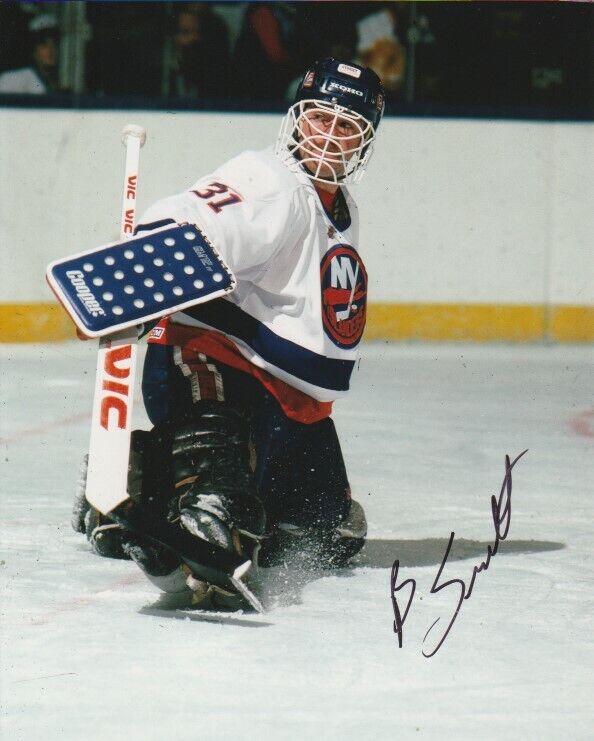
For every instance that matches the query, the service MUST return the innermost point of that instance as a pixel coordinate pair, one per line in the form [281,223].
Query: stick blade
[111,424]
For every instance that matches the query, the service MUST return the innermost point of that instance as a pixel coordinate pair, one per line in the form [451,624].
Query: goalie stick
[111,425]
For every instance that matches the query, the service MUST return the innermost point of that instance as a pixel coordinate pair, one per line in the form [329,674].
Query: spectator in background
[322,33]
[200,60]
[264,62]
[124,54]
[380,48]
[41,76]
[13,36]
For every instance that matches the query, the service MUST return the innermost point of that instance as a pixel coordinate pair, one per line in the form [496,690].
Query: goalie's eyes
[326,121]
[346,126]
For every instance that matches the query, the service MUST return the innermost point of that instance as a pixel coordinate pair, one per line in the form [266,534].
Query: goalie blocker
[127,283]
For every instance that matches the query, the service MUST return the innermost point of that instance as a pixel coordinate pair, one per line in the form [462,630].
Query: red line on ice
[42,429]
[583,423]
[73,419]
[79,602]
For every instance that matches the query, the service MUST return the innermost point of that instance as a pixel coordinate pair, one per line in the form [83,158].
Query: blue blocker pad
[127,283]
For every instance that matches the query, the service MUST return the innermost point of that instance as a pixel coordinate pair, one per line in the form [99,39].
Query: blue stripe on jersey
[153,225]
[327,373]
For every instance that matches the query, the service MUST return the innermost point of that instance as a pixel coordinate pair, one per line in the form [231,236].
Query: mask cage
[321,153]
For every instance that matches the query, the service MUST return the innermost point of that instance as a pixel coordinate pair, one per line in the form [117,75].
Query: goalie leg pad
[301,472]
[104,535]
[304,484]
[215,496]
[158,563]
[317,547]
[149,486]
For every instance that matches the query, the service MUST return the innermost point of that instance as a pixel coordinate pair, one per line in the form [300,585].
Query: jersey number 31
[218,189]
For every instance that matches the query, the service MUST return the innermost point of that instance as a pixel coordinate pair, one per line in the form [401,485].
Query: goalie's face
[330,141]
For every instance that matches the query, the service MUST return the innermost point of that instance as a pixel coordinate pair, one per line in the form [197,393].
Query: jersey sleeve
[246,209]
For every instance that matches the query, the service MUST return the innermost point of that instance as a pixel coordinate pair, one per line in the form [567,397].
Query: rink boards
[47,322]
[470,229]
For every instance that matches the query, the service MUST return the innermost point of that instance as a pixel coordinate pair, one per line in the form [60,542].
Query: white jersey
[298,310]
[25,80]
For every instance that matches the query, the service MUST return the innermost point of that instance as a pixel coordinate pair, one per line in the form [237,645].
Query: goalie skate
[206,562]
[213,598]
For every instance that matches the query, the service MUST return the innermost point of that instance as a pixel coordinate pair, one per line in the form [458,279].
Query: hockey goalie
[243,453]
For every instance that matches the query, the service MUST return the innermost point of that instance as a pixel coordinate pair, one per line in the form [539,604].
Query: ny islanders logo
[344,295]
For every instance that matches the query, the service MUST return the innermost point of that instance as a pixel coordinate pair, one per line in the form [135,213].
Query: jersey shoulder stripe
[318,370]
[296,404]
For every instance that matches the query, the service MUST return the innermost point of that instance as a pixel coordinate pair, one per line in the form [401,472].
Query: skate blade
[232,582]
[243,589]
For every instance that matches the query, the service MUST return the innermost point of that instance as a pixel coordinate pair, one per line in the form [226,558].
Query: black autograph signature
[501,512]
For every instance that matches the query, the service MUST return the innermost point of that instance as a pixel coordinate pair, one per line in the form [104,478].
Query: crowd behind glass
[250,54]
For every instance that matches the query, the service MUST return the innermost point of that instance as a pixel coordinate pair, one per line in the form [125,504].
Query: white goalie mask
[329,131]
[330,142]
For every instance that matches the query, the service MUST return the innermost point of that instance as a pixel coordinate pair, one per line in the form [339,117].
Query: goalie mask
[330,129]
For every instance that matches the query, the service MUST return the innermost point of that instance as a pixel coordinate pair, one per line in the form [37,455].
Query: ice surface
[88,650]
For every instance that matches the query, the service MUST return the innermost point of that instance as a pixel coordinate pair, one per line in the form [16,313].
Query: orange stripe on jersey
[195,342]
